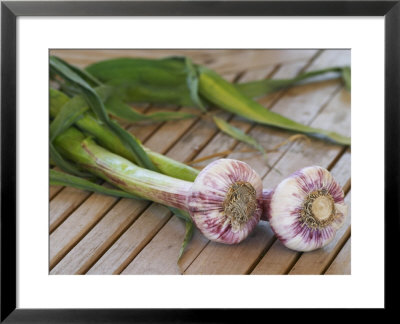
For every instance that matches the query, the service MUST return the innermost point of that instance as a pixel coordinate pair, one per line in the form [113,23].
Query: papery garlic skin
[225,201]
[306,209]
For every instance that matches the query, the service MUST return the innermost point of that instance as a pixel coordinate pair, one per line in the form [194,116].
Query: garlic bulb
[225,201]
[306,209]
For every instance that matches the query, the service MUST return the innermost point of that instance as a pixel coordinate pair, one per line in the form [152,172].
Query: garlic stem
[121,172]
[224,201]
[266,200]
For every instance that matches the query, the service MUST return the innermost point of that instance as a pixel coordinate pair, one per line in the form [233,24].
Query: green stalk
[121,172]
[63,179]
[90,124]
[136,182]
[58,160]
[225,95]
[172,167]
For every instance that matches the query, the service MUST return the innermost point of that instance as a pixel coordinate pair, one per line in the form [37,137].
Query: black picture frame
[10,10]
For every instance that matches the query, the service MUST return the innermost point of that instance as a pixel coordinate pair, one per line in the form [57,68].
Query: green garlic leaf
[89,78]
[346,77]
[57,159]
[70,112]
[264,87]
[123,111]
[226,96]
[193,84]
[64,179]
[189,230]
[238,134]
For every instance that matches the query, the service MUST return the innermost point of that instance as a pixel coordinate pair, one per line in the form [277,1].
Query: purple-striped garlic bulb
[306,209]
[225,201]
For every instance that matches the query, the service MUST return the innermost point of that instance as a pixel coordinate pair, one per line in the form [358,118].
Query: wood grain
[54,190]
[93,245]
[77,225]
[67,200]
[341,265]
[125,249]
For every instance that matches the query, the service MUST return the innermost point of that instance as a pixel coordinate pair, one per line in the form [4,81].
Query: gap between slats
[341,264]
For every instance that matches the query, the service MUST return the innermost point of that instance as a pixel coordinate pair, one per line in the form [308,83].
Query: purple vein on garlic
[306,209]
[225,200]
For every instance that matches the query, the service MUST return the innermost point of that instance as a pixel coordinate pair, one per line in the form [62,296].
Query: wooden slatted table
[96,234]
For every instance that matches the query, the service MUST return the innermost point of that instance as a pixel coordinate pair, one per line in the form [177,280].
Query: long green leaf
[346,77]
[227,96]
[57,100]
[181,214]
[119,109]
[189,230]
[89,78]
[98,107]
[63,164]
[67,116]
[193,83]
[64,179]
[264,87]
[238,134]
